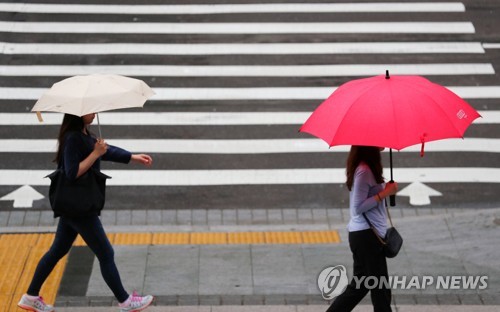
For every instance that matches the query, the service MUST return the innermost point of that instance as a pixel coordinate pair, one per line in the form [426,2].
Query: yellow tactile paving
[209,238]
[20,253]
[132,238]
[170,238]
[246,238]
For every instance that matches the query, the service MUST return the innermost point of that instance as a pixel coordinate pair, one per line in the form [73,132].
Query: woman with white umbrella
[78,152]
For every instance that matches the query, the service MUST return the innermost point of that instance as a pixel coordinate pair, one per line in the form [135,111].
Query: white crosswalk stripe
[248,146]
[233,8]
[257,93]
[245,48]
[324,70]
[192,118]
[240,28]
[235,91]
[257,176]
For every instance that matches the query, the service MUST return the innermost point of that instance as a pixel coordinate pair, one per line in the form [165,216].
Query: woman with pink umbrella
[365,182]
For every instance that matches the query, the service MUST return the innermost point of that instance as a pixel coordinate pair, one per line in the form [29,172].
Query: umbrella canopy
[82,95]
[393,112]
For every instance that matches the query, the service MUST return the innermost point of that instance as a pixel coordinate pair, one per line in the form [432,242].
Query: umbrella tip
[39,116]
[387,74]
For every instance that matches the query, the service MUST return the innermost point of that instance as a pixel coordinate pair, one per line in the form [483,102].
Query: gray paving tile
[229,216]
[244,216]
[188,300]
[32,218]
[200,217]
[334,215]
[319,308]
[409,212]
[209,300]
[169,217]
[16,218]
[108,217]
[318,257]
[131,262]
[421,211]
[275,300]
[448,299]
[124,217]
[232,300]
[225,270]
[304,216]
[290,216]
[274,308]
[214,217]
[138,217]
[319,216]
[184,217]
[275,216]
[259,216]
[470,299]
[4,218]
[253,300]
[153,217]
[173,270]
[47,218]
[278,270]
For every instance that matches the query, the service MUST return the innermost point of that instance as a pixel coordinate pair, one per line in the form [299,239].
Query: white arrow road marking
[259,176]
[23,197]
[419,193]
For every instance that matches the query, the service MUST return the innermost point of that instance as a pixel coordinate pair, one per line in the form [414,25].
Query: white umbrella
[82,95]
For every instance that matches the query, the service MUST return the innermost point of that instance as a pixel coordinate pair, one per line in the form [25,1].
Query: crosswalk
[233,84]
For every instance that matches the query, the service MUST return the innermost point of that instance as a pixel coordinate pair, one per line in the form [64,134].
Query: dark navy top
[78,146]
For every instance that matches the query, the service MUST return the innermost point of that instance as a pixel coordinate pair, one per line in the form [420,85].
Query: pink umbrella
[394,112]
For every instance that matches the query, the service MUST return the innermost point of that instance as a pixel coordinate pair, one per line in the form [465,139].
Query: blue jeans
[92,232]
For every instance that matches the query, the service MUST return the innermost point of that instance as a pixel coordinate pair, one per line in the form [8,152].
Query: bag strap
[373,228]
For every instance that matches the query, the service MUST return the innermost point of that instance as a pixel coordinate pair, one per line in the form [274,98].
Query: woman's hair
[370,155]
[69,123]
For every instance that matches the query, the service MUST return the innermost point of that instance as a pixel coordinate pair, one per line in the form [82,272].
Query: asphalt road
[37,57]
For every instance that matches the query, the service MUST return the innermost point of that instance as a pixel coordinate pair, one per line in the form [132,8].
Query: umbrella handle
[99,125]
[392,198]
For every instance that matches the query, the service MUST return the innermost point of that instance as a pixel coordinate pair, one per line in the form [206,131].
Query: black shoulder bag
[84,196]
[392,242]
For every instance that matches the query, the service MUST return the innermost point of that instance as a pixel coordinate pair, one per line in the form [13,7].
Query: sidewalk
[321,308]
[283,277]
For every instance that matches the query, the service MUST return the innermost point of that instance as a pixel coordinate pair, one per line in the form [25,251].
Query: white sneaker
[36,305]
[135,303]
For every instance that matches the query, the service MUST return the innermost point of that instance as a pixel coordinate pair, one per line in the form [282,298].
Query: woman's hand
[100,147]
[144,159]
[391,188]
